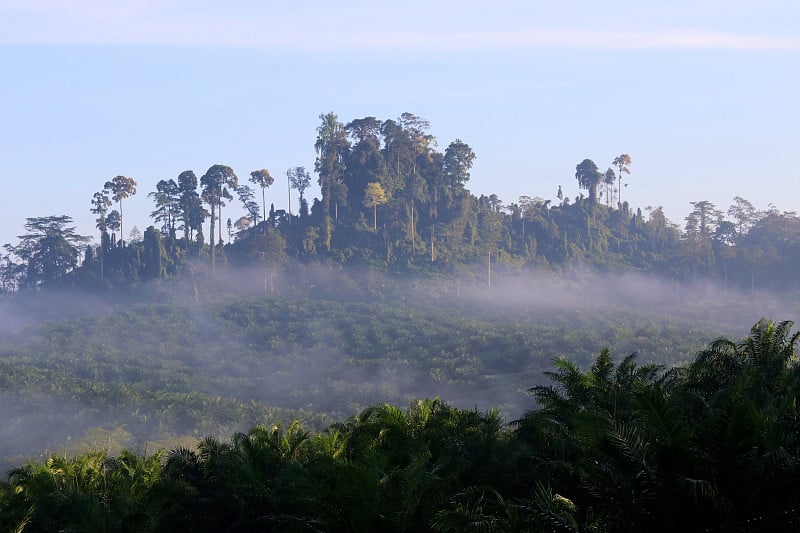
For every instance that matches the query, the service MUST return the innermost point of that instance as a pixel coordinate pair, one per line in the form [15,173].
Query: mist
[219,353]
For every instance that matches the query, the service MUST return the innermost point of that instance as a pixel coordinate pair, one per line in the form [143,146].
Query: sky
[702,94]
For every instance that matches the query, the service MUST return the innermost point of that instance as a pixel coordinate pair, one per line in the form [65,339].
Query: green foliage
[609,446]
[49,250]
[165,371]
[431,223]
[617,447]
[118,189]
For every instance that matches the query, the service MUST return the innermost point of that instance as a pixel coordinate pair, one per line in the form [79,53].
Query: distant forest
[391,201]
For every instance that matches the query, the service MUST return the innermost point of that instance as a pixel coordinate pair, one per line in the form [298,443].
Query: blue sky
[703,95]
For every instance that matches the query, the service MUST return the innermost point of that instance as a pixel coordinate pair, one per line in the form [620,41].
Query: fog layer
[230,351]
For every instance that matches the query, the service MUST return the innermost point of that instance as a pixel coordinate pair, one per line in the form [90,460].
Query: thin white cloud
[574,39]
[150,22]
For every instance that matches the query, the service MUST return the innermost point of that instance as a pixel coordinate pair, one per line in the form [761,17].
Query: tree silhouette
[49,250]
[458,159]
[622,162]
[119,188]
[191,205]
[245,195]
[167,198]
[609,179]
[331,147]
[589,177]
[213,184]
[263,179]
[100,204]
[300,179]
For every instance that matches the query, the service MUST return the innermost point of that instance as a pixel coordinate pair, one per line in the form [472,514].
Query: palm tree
[767,356]
[585,433]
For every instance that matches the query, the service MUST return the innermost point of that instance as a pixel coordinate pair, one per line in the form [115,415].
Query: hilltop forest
[391,201]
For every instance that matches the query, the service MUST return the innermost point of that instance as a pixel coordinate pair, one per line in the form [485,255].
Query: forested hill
[390,201]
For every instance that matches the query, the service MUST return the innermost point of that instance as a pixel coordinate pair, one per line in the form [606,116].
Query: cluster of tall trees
[390,199]
[712,446]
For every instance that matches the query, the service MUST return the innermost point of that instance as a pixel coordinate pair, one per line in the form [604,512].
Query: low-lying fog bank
[223,352]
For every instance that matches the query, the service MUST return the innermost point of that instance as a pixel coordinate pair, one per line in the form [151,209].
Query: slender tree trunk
[413,247]
[101,260]
[289,188]
[413,230]
[213,248]
[121,233]
[326,213]
[219,221]
[375,217]
[264,203]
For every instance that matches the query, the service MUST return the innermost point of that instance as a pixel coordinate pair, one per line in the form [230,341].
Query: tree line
[391,200]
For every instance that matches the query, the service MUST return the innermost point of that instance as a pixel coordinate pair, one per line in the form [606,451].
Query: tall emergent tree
[707,216]
[113,225]
[119,188]
[100,204]
[192,213]
[622,162]
[167,198]
[49,250]
[331,146]
[374,197]
[245,194]
[609,179]
[213,184]
[365,162]
[300,179]
[458,158]
[225,195]
[589,177]
[263,179]
[743,213]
